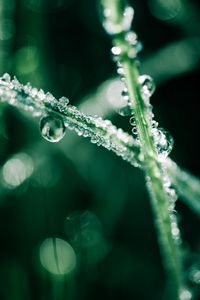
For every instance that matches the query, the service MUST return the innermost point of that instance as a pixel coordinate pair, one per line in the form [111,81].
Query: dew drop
[132,121]
[164,142]
[52,128]
[120,71]
[49,97]
[112,27]
[131,38]
[122,78]
[6,78]
[127,18]
[116,50]
[147,85]
[125,94]
[134,131]
[64,100]
[125,109]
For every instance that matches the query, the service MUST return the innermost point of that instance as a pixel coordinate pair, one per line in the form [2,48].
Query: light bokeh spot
[16,170]
[57,256]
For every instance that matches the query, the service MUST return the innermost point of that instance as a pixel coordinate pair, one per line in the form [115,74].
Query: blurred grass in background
[75,221]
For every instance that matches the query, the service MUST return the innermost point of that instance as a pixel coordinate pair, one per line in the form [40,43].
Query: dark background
[61,47]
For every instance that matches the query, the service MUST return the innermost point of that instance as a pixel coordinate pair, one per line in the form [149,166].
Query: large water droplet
[147,85]
[164,142]
[52,128]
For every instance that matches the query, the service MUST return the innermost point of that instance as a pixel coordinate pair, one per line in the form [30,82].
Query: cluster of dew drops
[57,116]
[163,140]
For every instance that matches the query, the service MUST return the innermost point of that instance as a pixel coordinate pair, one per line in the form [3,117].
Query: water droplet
[125,94]
[132,53]
[127,18]
[64,100]
[49,97]
[113,26]
[125,110]
[131,38]
[164,142]
[116,51]
[110,26]
[52,128]
[175,230]
[33,92]
[6,78]
[134,131]
[132,121]
[120,71]
[147,85]
[122,78]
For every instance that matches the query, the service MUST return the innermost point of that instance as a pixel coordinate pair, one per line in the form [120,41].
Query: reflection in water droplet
[57,256]
[52,128]
[147,85]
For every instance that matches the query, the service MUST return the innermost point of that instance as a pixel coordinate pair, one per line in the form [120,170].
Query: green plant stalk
[154,173]
[152,167]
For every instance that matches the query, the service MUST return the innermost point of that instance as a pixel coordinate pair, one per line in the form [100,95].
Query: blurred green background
[75,220]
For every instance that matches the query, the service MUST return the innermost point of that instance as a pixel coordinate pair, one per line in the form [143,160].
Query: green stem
[153,168]
[154,173]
